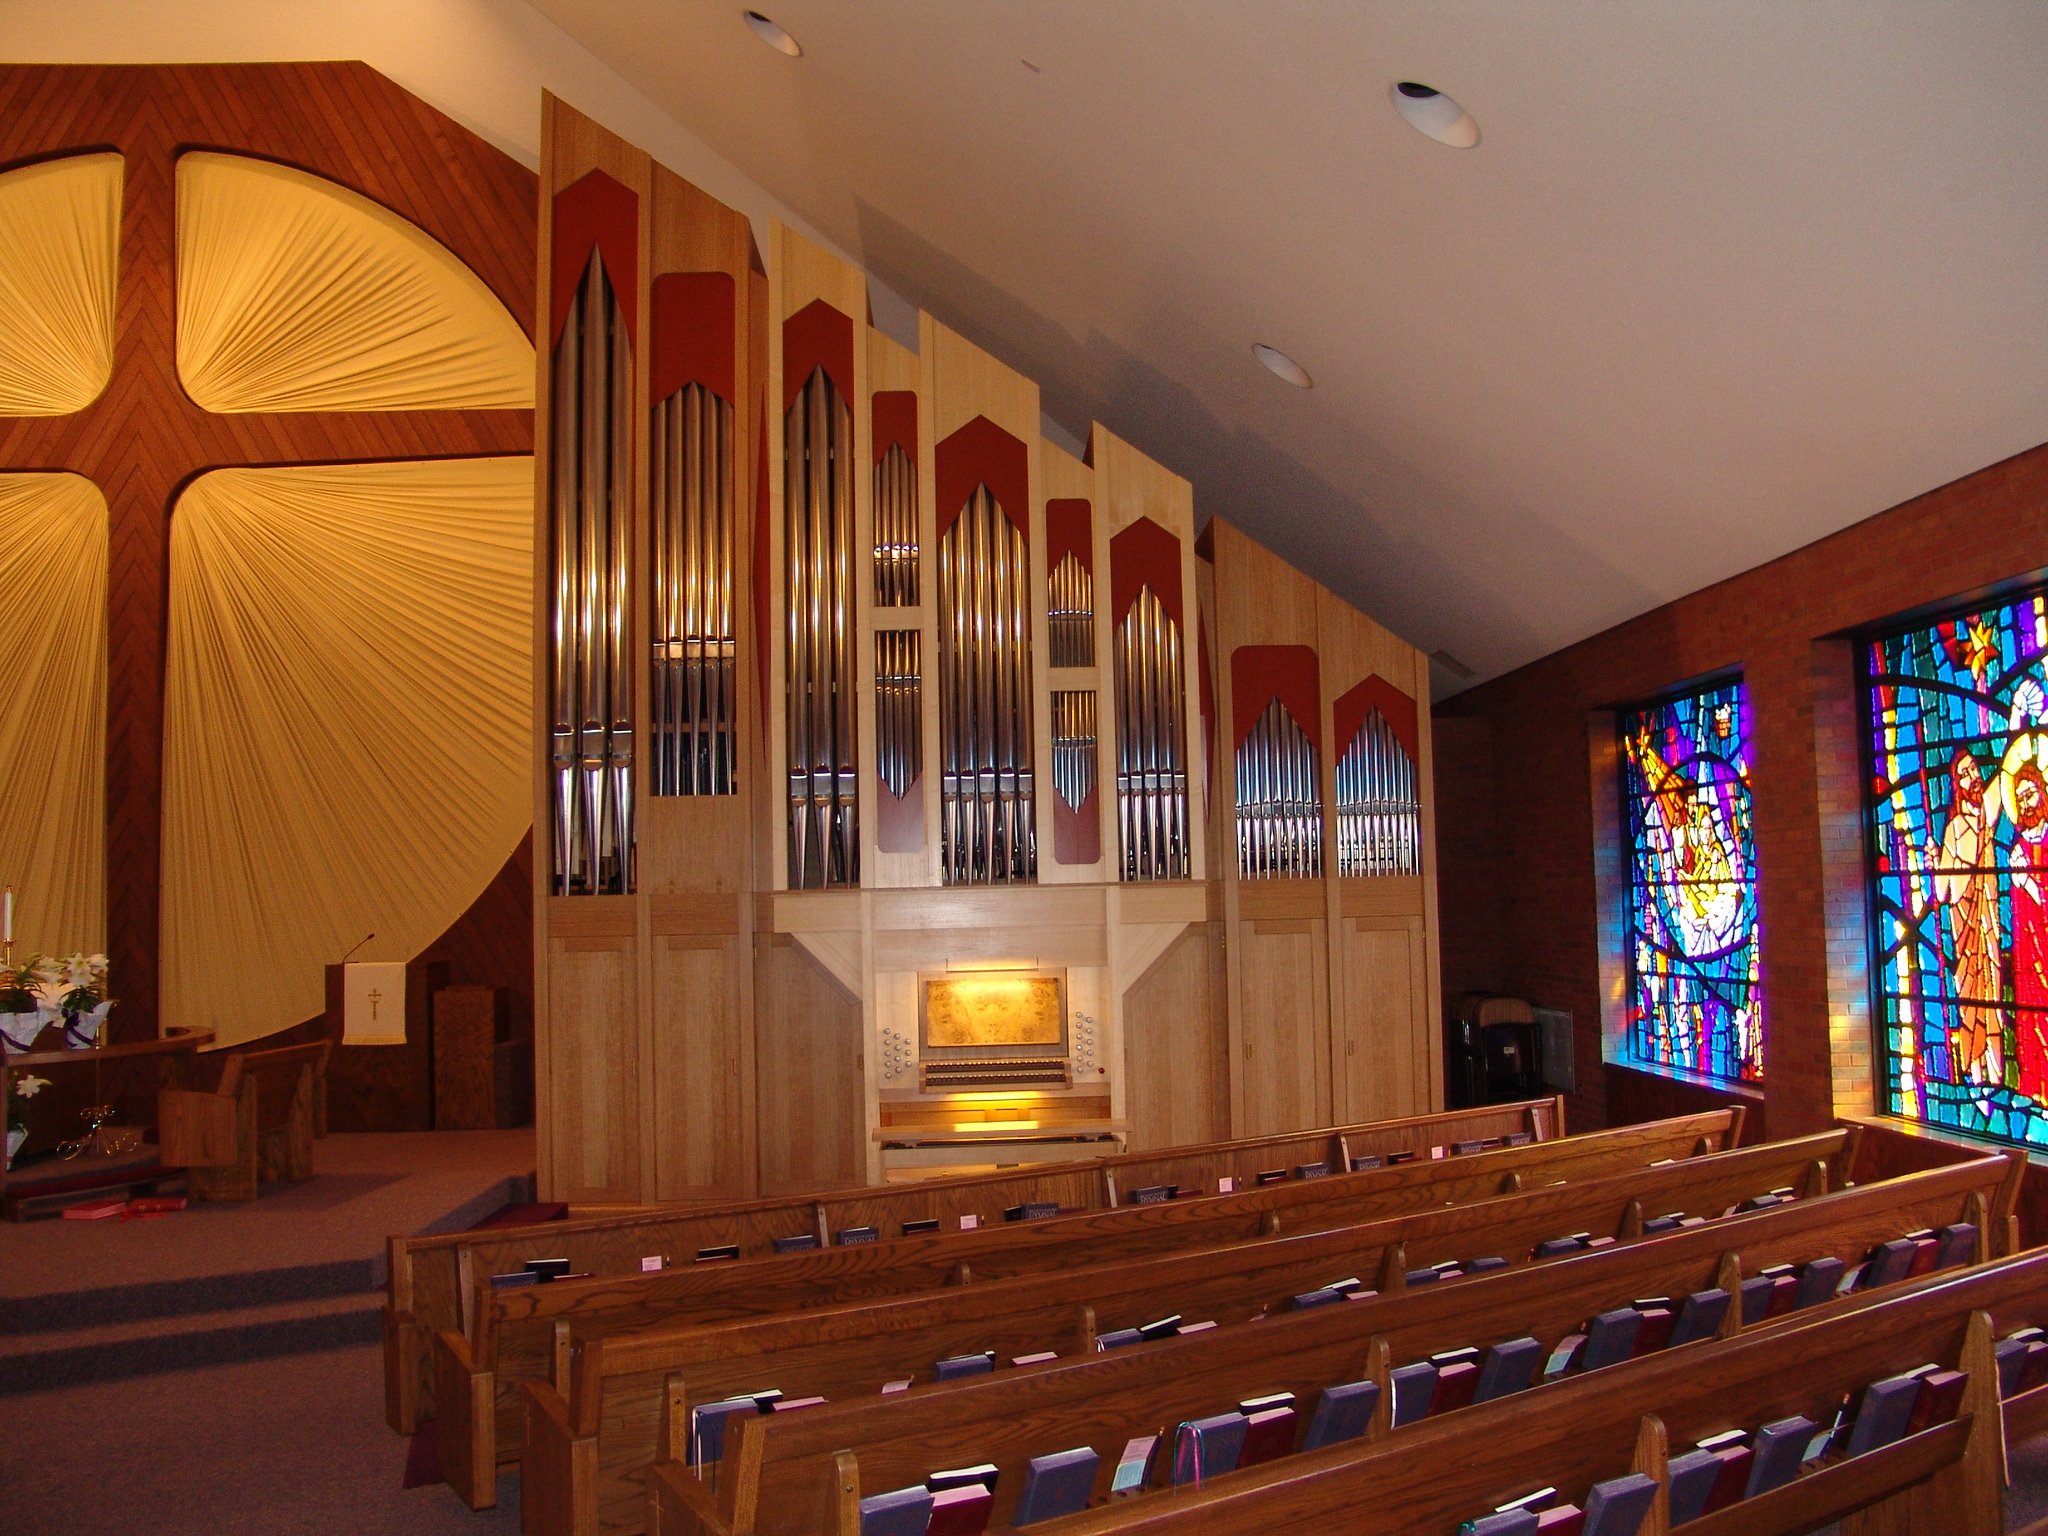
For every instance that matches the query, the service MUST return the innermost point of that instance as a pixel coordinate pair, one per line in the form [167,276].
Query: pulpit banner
[373,1003]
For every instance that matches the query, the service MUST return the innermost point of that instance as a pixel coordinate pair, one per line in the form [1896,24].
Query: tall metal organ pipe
[899,709]
[590,527]
[987,832]
[1279,807]
[1073,745]
[896,530]
[1070,613]
[693,686]
[1152,772]
[1379,804]
[818,565]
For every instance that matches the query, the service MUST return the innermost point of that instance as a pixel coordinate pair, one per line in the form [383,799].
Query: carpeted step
[144,1346]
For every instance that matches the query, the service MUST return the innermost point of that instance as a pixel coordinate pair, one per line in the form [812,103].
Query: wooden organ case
[915,795]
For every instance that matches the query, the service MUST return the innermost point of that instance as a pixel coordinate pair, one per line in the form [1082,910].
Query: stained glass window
[1958,846]
[1693,999]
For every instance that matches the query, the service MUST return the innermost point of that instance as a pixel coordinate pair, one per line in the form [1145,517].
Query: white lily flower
[29,1087]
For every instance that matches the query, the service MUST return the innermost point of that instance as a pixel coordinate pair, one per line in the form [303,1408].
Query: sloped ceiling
[1721,277]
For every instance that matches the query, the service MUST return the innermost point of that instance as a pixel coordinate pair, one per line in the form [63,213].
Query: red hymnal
[961,1511]
[1941,1395]
[95,1210]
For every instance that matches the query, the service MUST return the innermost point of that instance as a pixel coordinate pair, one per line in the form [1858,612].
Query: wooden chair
[259,1123]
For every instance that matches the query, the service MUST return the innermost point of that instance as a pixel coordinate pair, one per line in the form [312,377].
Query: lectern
[384,1087]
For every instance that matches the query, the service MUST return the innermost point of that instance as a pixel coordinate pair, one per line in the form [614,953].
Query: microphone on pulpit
[359,943]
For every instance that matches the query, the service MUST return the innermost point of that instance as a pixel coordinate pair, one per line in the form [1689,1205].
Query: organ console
[917,795]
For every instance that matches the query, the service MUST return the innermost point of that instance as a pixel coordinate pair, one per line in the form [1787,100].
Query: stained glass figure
[1694,1002]
[1958,847]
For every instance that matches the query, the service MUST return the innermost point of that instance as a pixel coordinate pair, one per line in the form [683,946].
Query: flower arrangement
[41,991]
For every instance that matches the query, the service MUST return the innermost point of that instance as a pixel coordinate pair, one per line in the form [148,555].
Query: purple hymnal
[713,1255]
[1031,1210]
[1502,1522]
[1205,1448]
[1691,1477]
[1427,1276]
[1317,1298]
[1883,1413]
[1818,1281]
[982,1475]
[1269,1430]
[1467,1148]
[854,1237]
[1134,1466]
[1117,1338]
[1311,1170]
[1658,1224]
[956,1366]
[1362,1164]
[707,1428]
[1414,1386]
[1056,1485]
[1481,1266]
[1152,1194]
[1516,1139]
[1342,1413]
[1610,1338]
[961,1511]
[906,1512]
[1767,1295]
[1890,1262]
[1509,1367]
[514,1280]
[1700,1315]
[1958,1245]
[2021,1356]
[1558,1247]
[1618,1506]
[800,1242]
[1780,1448]
[921,1225]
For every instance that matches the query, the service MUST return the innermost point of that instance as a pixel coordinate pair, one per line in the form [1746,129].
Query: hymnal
[1031,1210]
[1564,1357]
[1537,1502]
[1926,1250]
[1311,1170]
[1756,1203]
[707,1428]
[1038,1359]
[1481,1266]
[1205,1448]
[1202,1327]
[1958,1245]
[1362,1164]
[1268,1433]
[1425,1276]
[790,1404]
[722,1251]
[957,1366]
[1889,1262]
[906,1512]
[1317,1298]
[1055,1485]
[1882,1415]
[961,1511]
[1941,1399]
[1658,1224]
[1761,1297]
[1343,1412]
[548,1269]
[1399,1157]
[1691,1479]
[1134,1466]
[1561,1520]
[1618,1506]
[1467,1148]
[923,1224]
[1509,1367]
[1516,1139]
[982,1475]
[1343,1287]
[1117,1338]
[1271,1176]
[854,1237]
[101,1210]
[1558,1247]
[1700,1315]
[1817,1282]
[1655,1332]
[1414,1387]
[518,1277]
[1610,1338]
[1780,1448]
[1502,1522]
[1152,1194]
[1735,1457]
[1160,1327]
[799,1242]
[1455,1383]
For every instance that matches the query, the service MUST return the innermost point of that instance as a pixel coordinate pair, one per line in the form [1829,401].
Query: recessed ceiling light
[1281,366]
[774,36]
[1428,110]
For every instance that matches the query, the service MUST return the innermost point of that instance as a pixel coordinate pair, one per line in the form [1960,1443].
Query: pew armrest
[558,1467]
[466,1422]
[679,1504]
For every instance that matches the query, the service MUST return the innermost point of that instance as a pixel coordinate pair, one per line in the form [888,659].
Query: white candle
[7,918]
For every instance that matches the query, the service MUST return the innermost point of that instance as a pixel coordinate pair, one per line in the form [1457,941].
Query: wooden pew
[511,1334]
[622,1391]
[432,1276]
[1635,1417]
[258,1123]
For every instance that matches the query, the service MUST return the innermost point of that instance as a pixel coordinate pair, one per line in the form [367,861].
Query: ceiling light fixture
[774,36]
[1281,366]
[1429,111]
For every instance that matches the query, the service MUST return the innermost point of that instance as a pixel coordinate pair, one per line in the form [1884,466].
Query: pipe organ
[920,795]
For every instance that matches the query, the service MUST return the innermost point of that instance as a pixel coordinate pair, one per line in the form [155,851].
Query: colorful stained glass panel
[1694,1003]
[1958,845]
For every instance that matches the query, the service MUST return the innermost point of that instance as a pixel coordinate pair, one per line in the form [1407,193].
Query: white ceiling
[1722,276]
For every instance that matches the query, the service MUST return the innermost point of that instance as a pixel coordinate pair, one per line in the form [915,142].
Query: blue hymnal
[1152,1194]
[707,1427]
[1508,1367]
[514,1280]
[1311,1170]
[1611,1338]
[1204,1448]
[1481,1266]
[1700,1315]
[1658,1224]
[1817,1281]
[906,1512]
[1881,1416]
[1692,1478]
[956,1366]
[1558,1247]
[1056,1485]
[1117,1338]
[1617,1507]
[1317,1298]
[801,1242]
[853,1237]
[1757,1292]
[1414,1386]
[1780,1447]
[1032,1210]
[1362,1164]
[1342,1413]
[1425,1276]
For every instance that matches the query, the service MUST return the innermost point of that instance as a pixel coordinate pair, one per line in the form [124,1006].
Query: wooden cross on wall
[143,439]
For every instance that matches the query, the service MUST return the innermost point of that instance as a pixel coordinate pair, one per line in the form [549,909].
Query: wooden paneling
[1177,1047]
[594,1068]
[813,1126]
[1378,1017]
[1283,980]
[701,1055]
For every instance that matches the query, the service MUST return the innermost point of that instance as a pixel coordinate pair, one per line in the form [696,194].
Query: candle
[7,918]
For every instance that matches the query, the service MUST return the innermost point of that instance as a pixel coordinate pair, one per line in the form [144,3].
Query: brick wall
[1516,782]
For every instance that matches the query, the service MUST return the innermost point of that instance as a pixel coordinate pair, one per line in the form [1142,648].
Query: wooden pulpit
[385,1087]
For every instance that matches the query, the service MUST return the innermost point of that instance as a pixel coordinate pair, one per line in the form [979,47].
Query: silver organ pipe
[899,709]
[987,833]
[1073,745]
[693,684]
[824,843]
[1379,804]
[896,530]
[1279,807]
[1151,751]
[590,526]
[1070,611]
